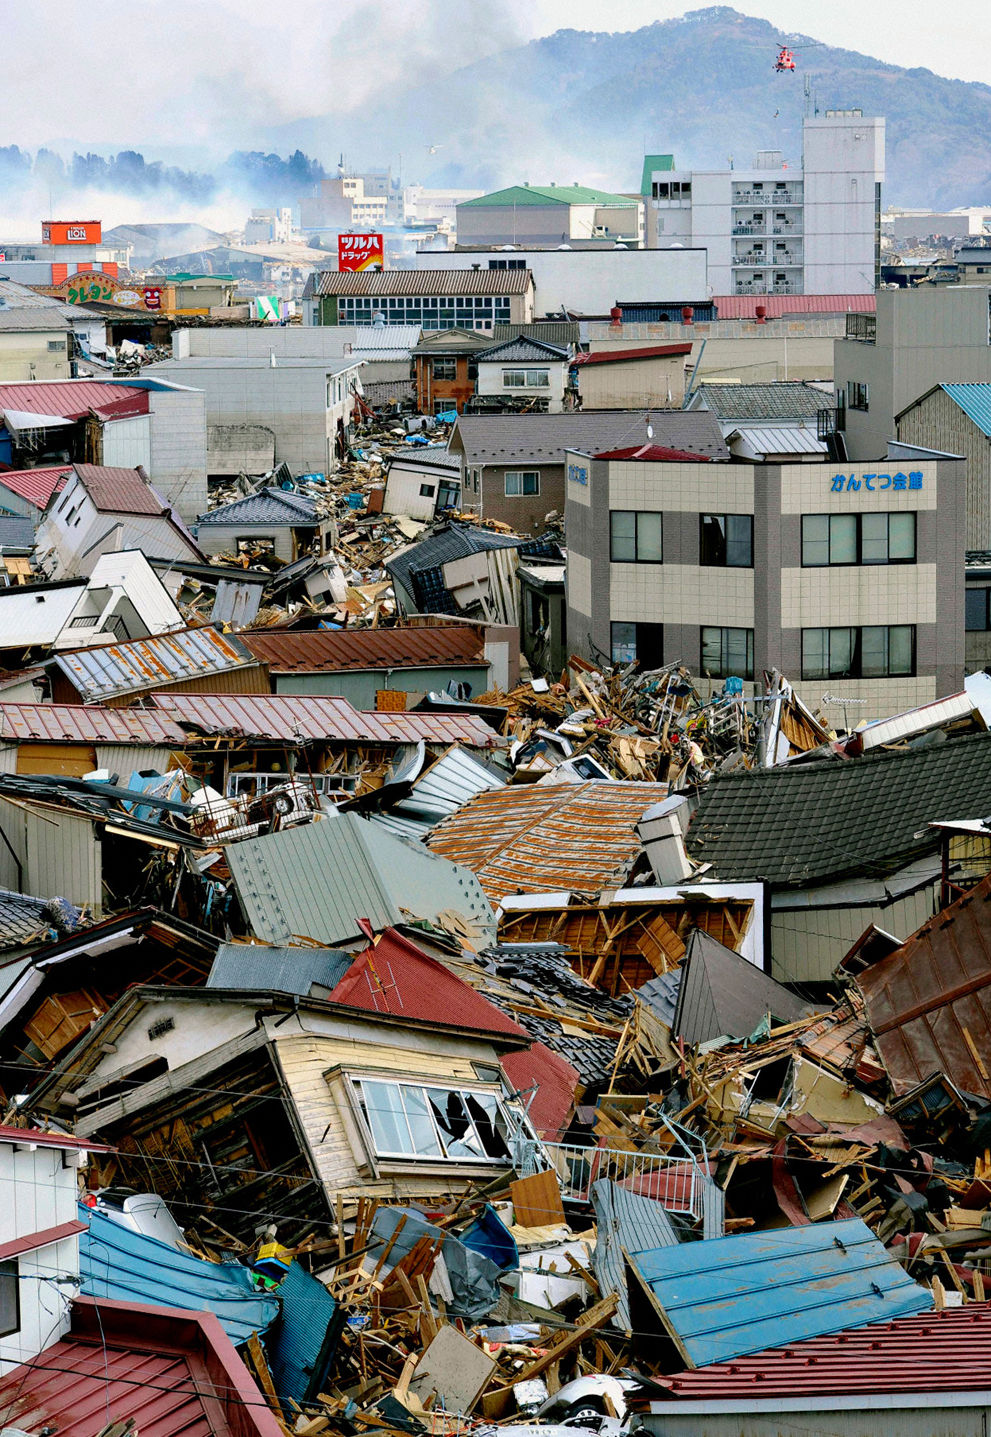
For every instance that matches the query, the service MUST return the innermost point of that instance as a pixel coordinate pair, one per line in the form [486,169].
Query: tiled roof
[941,1352]
[268,506]
[289,718]
[532,438]
[79,723]
[35,485]
[111,670]
[578,837]
[929,1002]
[782,399]
[811,822]
[522,348]
[70,398]
[451,282]
[630,356]
[119,491]
[776,306]
[336,651]
[22,918]
[16,532]
[656,454]
[547,194]
[551,331]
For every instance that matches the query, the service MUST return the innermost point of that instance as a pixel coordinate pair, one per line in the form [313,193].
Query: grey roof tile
[268,506]
[521,348]
[782,399]
[514,438]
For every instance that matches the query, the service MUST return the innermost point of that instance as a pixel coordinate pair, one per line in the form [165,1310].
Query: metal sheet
[625,1222]
[296,718]
[328,650]
[117,669]
[78,723]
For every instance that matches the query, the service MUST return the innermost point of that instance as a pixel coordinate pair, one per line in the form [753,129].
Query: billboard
[71,232]
[358,252]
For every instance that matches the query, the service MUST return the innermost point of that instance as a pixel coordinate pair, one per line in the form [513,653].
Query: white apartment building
[773,229]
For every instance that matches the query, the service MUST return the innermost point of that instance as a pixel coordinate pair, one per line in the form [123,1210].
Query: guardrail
[676,1182]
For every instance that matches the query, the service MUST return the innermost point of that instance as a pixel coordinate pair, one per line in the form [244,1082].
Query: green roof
[652,163]
[544,194]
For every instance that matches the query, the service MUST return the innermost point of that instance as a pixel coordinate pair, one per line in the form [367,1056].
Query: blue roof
[298,1350]
[127,1266]
[975,401]
[733,1295]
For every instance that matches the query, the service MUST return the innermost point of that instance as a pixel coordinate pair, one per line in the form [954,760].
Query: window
[56,346]
[507,264]
[445,369]
[522,481]
[977,609]
[728,653]
[857,395]
[875,651]
[10,1298]
[727,540]
[857,539]
[643,643]
[427,491]
[454,1125]
[635,538]
[526,379]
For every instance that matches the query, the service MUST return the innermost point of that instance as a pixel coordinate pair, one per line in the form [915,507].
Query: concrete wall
[514,224]
[24,354]
[178,448]
[843,161]
[796,348]
[634,384]
[239,448]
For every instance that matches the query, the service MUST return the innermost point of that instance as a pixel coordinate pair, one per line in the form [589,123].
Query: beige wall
[633,384]
[27,356]
[798,348]
[939,423]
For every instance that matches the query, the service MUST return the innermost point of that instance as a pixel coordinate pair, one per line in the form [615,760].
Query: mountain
[583,106]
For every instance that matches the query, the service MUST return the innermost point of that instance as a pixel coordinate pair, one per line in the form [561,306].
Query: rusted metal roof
[325,650]
[578,837]
[295,718]
[77,723]
[451,282]
[929,1002]
[115,669]
[119,491]
[71,398]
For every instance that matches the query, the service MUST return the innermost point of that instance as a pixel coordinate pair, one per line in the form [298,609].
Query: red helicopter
[785,60]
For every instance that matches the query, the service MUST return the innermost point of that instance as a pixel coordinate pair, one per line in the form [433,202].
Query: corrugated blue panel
[296,1344]
[975,401]
[734,1295]
[127,1266]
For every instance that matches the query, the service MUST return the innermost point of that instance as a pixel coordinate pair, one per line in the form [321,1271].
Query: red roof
[50,1140]
[35,485]
[621,356]
[119,491]
[175,1373]
[555,1083]
[88,723]
[333,650]
[656,454]
[744,306]
[295,718]
[73,398]
[948,1351]
[395,976]
[31,1241]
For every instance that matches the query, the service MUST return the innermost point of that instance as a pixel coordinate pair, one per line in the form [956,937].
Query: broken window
[726,540]
[642,642]
[408,1120]
[874,651]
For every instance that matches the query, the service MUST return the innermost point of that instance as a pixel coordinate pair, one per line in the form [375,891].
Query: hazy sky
[184,75]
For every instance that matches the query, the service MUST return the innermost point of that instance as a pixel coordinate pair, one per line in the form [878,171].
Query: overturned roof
[796,825]
[511,438]
[113,670]
[579,837]
[339,650]
[722,993]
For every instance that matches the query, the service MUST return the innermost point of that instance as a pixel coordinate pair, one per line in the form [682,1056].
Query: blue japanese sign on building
[871,483]
[577,474]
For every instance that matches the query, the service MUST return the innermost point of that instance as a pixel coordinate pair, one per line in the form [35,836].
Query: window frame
[637,513]
[858,395]
[859,560]
[10,1272]
[385,1158]
[714,563]
[984,594]
[641,660]
[856,666]
[726,669]
[522,475]
[447,364]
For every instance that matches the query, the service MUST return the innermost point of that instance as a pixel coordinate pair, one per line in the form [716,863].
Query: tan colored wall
[659,382]
[939,423]
[20,351]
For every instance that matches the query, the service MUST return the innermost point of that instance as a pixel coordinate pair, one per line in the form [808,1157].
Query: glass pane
[623,532]
[977,608]
[384,1110]
[901,536]
[841,645]
[815,539]
[874,651]
[815,649]
[421,1124]
[531,483]
[713,539]
[456,1128]
[843,539]
[901,642]
[738,649]
[623,641]
[739,541]
[512,483]
[649,538]
[712,652]
[874,539]
[490,1124]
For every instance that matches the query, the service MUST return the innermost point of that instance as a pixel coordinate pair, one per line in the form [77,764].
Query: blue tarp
[490,1236]
[127,1266]
[733,1295]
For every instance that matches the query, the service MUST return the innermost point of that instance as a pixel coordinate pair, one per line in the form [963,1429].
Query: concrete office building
[435,299]
[844,577]
[774,229]
[550,215]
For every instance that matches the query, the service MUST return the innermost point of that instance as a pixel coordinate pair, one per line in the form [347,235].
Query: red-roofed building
[656,454]
[27,491]
[628,377]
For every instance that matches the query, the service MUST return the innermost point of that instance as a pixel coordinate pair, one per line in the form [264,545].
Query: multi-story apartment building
[847,578]
[772,229]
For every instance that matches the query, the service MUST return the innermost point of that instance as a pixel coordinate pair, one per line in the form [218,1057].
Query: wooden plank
[537,1200]
[264,1376]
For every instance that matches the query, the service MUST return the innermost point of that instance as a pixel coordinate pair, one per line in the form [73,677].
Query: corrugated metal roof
[577,837]
[288,718]
[624,1222]
[78,723]
[114,669]
[70,398]
[779,399]
[722,993]
[744,306]
[277,970]
[549,194]
[444,282]
[268,506]
[318,881]
[779,439]
[929,1003]
[445,787]
[732,1295]
[129,1266]
[514,438]
[630,356]
[330,650]
[119,491]
[943,1352]
[35,485]
[975,401]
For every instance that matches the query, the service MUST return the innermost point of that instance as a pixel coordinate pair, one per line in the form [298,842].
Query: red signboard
[152,296]
[71,232]
[357,252]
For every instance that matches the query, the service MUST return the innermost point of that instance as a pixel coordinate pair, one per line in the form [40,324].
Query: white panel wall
[127,442]
[37,1192]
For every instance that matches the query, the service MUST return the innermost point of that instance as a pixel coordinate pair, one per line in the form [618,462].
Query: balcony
[759,286]
[681,1184]
[862,327]
[766,197]
[787,229]
[749,230]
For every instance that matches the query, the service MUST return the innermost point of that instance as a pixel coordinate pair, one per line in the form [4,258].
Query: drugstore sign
[358,252]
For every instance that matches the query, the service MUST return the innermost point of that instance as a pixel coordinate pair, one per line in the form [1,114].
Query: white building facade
[773,229]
